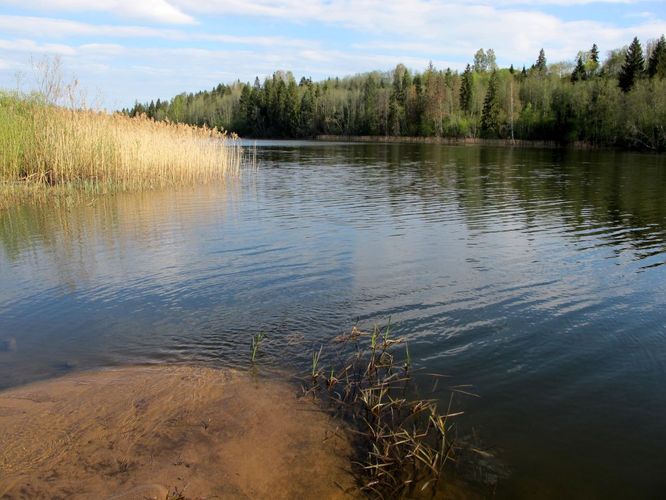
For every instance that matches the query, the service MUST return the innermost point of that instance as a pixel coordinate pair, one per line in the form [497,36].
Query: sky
[127,50]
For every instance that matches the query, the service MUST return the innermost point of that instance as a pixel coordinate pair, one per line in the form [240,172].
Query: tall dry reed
[42,144]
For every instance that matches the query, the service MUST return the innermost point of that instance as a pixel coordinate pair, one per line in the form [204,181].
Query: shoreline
[465,141]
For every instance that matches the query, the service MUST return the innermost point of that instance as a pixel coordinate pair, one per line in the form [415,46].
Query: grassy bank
[46,149]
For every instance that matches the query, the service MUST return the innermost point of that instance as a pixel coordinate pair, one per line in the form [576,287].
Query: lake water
[537,276]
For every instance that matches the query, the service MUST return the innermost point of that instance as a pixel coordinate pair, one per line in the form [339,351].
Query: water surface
[537,276]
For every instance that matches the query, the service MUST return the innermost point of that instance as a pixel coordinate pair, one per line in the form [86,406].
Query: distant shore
[458,141]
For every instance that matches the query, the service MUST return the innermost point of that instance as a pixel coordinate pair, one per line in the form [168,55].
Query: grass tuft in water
[256,342]
[316,355]
[404,443]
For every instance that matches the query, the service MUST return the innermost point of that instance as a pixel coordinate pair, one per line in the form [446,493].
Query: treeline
[620,101]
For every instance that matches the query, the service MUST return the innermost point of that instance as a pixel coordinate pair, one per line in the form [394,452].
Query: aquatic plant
[43,145]
[316,355]
[404,442]
[256,342]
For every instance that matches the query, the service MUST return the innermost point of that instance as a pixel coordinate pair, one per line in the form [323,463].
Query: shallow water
[537,276]
[149,432]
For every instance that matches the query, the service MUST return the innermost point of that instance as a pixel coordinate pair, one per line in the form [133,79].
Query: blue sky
[122,50]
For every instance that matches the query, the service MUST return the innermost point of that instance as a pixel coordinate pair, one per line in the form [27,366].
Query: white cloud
[159,11]
[431,28]
[645,15]
[24,45]
[568,3]
[109,49]
[396,16]
[454,27]
[64,28]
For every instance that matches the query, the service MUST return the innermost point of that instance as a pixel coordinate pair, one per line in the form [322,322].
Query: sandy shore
[154,432]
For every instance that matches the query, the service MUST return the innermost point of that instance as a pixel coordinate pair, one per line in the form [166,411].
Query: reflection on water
[535,275]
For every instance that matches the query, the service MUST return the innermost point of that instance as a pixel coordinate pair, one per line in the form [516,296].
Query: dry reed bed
[46,145]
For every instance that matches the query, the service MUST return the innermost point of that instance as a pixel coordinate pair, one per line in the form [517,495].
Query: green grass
[256,342]
[316,356]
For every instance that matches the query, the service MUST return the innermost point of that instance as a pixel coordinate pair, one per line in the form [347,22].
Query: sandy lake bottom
[151,432]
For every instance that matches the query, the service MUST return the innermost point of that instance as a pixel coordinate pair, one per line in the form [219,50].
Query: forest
[619,101]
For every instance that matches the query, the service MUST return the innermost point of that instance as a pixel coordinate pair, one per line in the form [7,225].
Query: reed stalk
[256,342]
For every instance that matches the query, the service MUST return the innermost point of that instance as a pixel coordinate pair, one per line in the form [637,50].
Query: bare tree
[52,86]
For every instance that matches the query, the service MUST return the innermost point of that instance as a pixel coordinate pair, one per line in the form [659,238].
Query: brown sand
[148,432]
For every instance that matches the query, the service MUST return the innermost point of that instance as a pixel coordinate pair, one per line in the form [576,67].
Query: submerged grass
[257,339]
[403,442]
[73,150]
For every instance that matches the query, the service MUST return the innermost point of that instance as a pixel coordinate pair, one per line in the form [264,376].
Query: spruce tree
[579,72]
[540,65]
[291,110]
[307,113]
[491,109]
[417,84]
[244,102]
[466,90]
[398,90]
[594,54]
[657,62]
[370,115]
[592,63]
[393,116]
[406,82]
[633,67]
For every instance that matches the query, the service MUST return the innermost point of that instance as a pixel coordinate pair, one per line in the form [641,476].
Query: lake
[535,276]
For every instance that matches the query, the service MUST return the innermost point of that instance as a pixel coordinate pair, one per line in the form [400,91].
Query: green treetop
[466,86]
[592,64]
[579,72]
[491,59]
[633,67]
[657,62]
[540,65]
[491,109]
[480,61]
[594,53]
